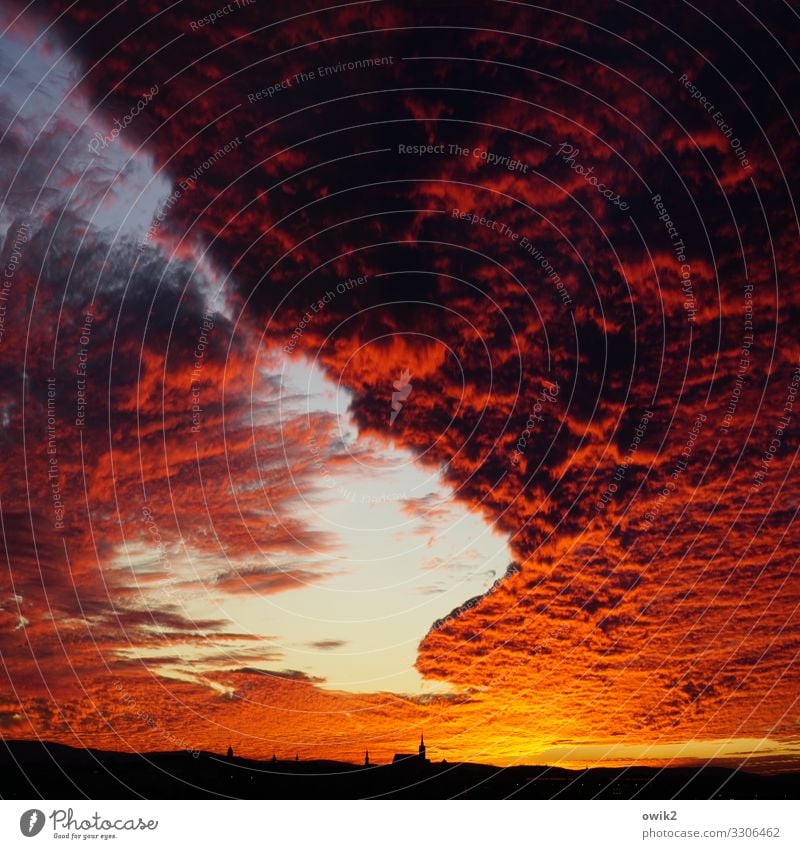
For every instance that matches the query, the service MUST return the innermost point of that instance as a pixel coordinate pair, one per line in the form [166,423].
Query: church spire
[422,746]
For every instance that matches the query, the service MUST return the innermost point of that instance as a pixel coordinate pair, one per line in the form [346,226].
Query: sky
[380,369]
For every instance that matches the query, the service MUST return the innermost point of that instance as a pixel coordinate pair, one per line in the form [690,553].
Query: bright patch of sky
[405,553]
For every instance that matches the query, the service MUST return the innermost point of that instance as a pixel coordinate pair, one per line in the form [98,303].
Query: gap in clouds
[398,553]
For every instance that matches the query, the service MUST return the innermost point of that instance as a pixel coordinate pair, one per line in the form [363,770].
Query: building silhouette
[408,759]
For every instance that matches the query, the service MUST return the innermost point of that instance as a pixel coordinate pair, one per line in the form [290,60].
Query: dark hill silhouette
[30,770]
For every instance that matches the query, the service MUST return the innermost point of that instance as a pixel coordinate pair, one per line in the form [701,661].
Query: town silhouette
[38,769]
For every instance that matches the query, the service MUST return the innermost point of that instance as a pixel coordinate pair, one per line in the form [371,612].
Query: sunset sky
[566,239]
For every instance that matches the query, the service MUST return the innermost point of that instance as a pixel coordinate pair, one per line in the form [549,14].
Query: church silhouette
[411,760]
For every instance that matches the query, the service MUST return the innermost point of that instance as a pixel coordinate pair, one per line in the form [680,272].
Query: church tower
[366,758]
[421,747]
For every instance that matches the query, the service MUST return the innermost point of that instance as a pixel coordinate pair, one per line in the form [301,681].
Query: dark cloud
[327,645]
